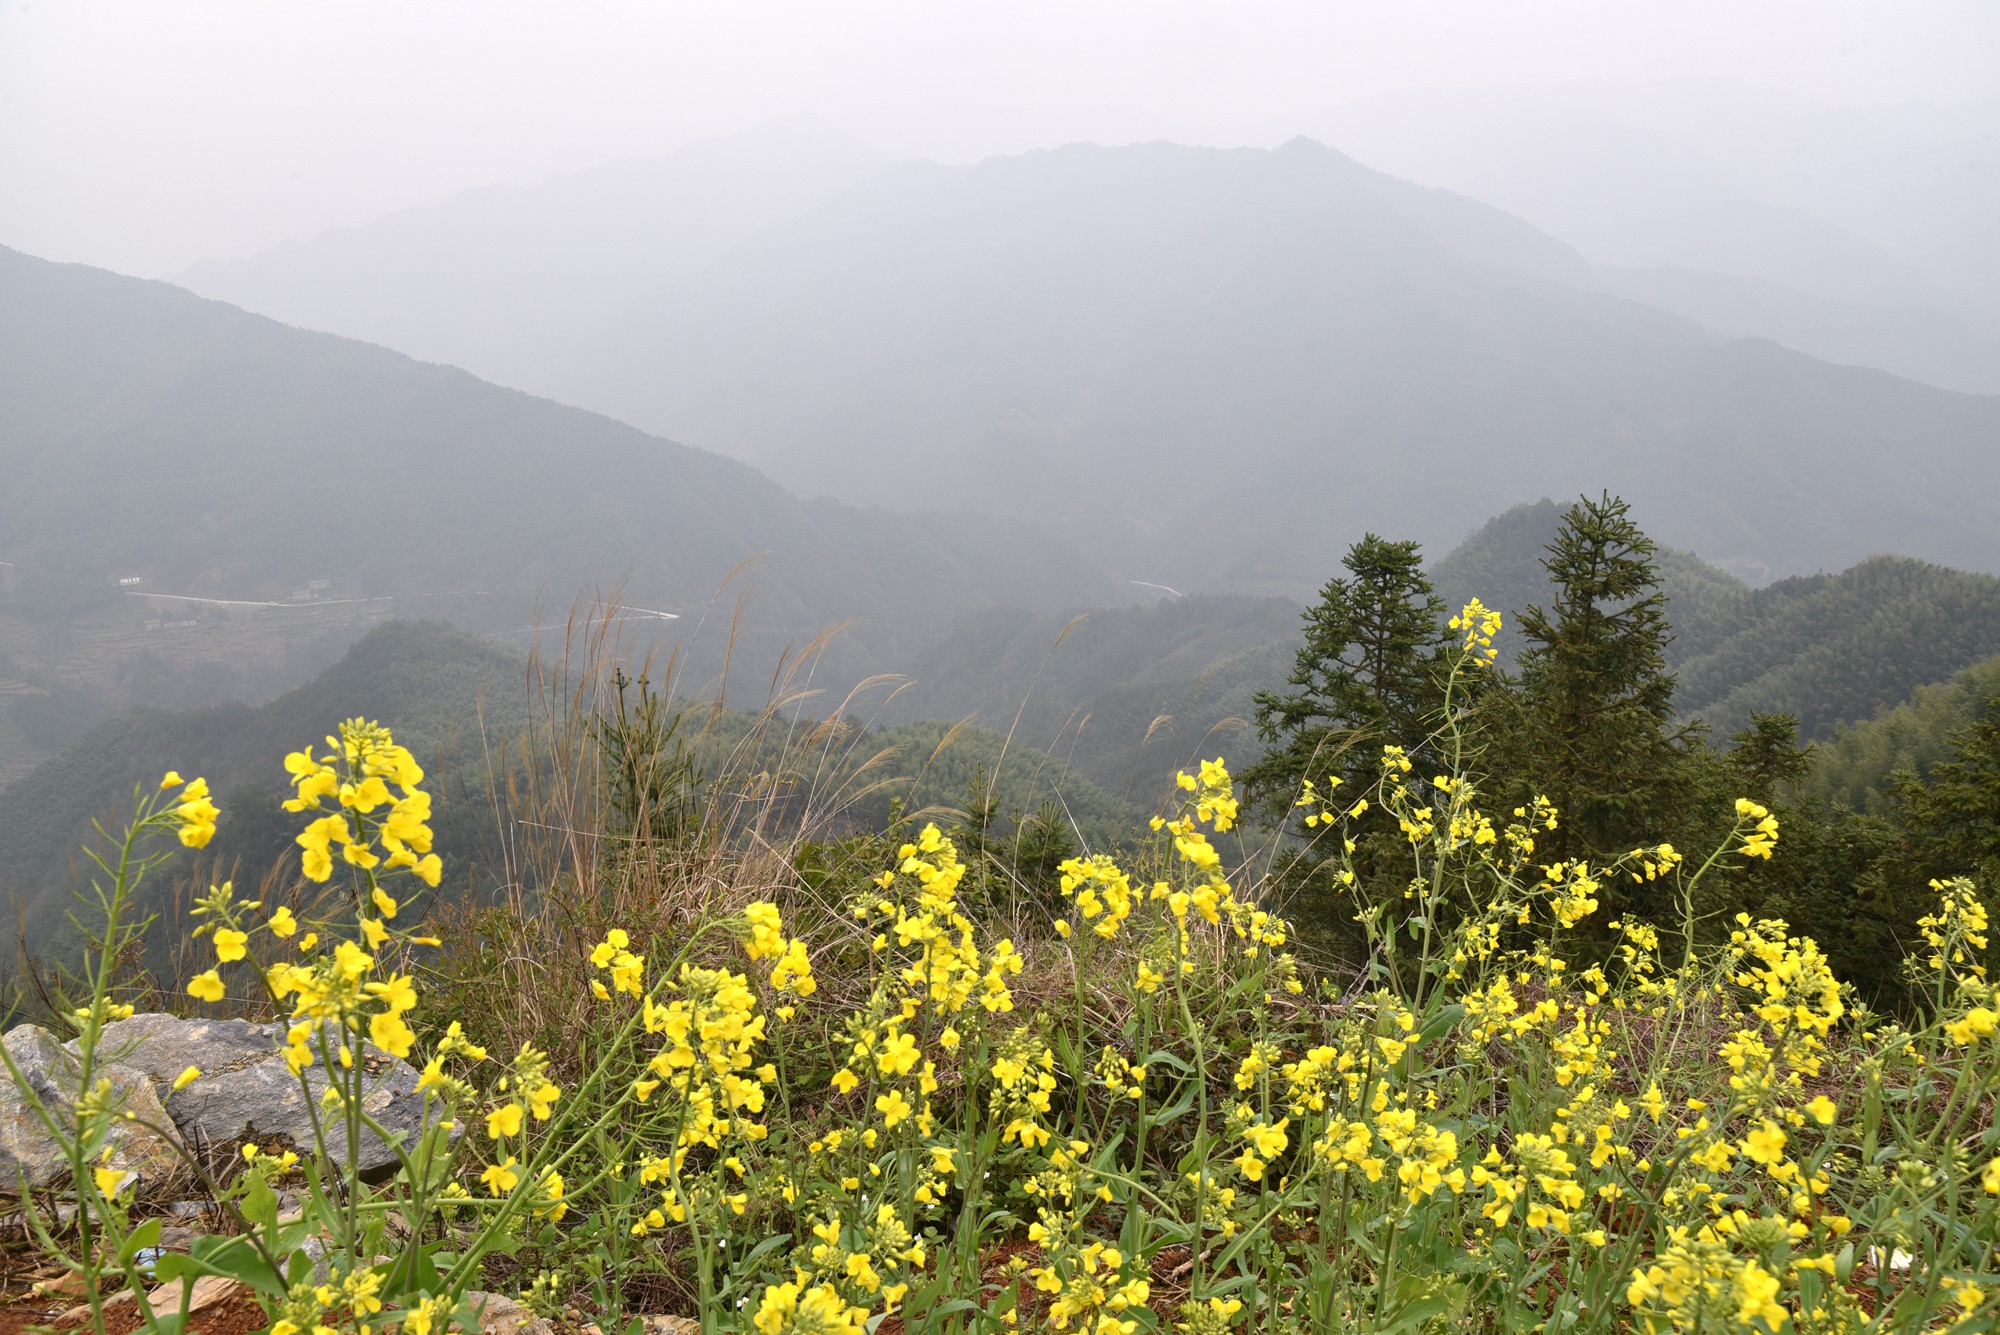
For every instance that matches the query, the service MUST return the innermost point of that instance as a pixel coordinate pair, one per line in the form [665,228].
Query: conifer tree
[1368,671]
[1593,724]
[1766,756]
[1952,821]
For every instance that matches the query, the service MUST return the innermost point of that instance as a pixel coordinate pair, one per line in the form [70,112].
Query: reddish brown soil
[22,1312]
[239,1314]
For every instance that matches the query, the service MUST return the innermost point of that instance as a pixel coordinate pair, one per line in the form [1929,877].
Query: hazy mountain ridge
[152,434]
[1885,207]
[1853,234]
[1914,342]
[503,280]
[1273,345]
[1865,203]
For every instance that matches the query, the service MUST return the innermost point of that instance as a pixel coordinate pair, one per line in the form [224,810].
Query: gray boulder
[31,1159]
[246,1092]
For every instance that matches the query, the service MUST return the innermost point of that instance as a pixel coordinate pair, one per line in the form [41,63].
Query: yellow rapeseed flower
[500,1178]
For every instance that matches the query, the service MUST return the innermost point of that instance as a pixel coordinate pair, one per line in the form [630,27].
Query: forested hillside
[1825,648]
[453,695]
[1835,648]
[258,489]
[1277,350]
[1500,563]
[1914,736]
[470,711]
[1123,695]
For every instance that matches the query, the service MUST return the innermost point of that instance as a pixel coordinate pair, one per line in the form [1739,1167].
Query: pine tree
[1952,821]
[1368,671]
[1593,725]
[1766,756]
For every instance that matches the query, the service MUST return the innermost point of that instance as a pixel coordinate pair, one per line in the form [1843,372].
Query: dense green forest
[1586,713]
[1826,648]
[1856,767]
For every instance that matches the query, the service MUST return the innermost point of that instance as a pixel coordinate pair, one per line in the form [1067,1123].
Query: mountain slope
[447,695]
[148,434]
[1853,769]
[1500,563]
[1125,695]
[1876,203]
[463,706]
[502,280]
[1834,648]
[1910,341]
[1860,234]
[1238,360]
[1828,648]
[1622,182]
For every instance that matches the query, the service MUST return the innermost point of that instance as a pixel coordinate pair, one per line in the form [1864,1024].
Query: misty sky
[144,136]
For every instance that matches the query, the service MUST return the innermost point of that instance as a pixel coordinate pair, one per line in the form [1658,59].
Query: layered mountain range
[1213,368]
[1078,378]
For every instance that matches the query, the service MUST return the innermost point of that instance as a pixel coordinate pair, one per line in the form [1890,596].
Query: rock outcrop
[246,1092]
[31,1159]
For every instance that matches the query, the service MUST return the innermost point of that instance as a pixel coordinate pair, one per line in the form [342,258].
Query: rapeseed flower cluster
[1500,1107]
[1157,1106]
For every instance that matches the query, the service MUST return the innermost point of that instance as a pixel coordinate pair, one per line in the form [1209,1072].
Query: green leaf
[146,1235]
[749,1260]
[260,1203]
[415,1271]
[1440,1023]
[952,1308]
[232,1258]
[1067,1051]
[1177,1110]
[1414,1314]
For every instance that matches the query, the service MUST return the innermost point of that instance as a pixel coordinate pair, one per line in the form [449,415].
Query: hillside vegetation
[806,1088]
[209,454]
[1913,736]
[1072,721]
[475,717]
[1826,649]
[1125,695]
[459,694]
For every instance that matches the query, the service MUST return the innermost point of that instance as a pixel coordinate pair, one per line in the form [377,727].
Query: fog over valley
[926,353]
